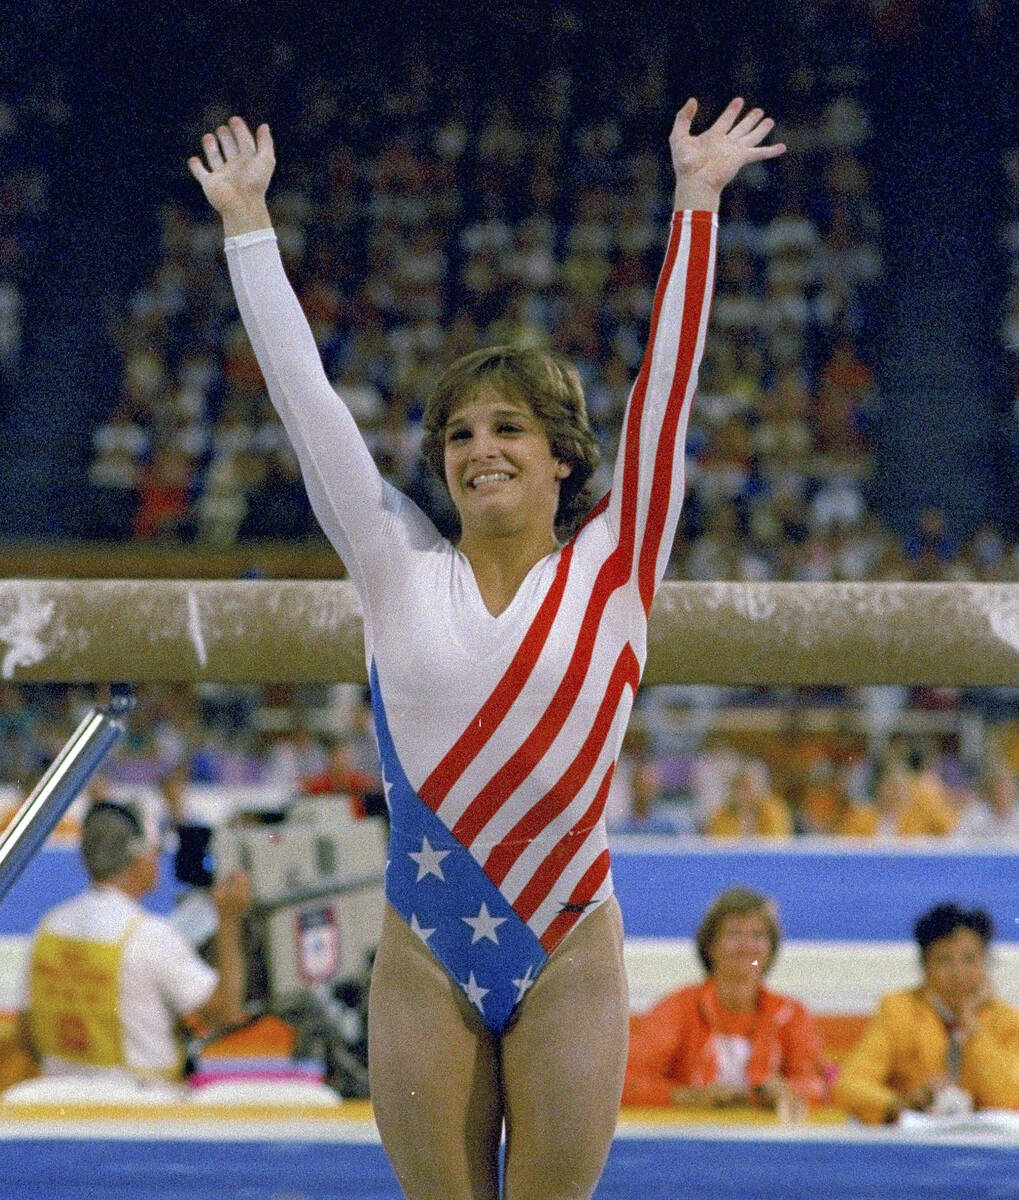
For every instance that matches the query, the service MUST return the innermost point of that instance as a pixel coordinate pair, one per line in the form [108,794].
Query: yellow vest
[74,999]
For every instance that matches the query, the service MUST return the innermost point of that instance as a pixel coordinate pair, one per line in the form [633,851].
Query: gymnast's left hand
[704,163]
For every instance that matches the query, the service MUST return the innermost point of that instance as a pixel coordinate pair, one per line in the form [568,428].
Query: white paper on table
[988,1120]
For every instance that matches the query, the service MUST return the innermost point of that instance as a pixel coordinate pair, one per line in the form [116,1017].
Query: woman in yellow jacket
[752,809]
[908,804]
[948,1046]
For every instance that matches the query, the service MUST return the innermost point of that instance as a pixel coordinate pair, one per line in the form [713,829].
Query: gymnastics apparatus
[792,634]
[781,634]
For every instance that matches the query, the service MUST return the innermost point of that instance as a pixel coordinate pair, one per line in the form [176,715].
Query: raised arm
[351,501]
[647,490]
[225,1007]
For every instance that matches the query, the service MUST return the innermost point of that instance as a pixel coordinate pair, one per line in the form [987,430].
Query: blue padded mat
[649,1168]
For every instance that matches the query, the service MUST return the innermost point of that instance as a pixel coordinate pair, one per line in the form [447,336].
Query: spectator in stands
[646,816]
[108,983]
[946,1046]
[635,793]
[114,476]
[910,802]
[846,813]
[844,390]
[930,547]
[753,809]
[341,776]
[293,754]
[728,1040]
[163,495]
[993,813]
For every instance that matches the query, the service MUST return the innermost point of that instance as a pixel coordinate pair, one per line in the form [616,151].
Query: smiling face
[741,950]
[545,388]
[499,466]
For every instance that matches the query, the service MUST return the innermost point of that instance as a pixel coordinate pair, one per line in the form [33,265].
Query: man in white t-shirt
[109,985]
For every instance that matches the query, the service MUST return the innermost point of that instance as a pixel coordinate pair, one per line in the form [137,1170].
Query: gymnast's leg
[434,1073]
[563,1062]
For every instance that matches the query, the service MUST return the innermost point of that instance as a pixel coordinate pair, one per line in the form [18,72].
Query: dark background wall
[134,79]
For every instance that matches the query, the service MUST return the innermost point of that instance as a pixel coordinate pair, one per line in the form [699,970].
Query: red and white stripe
[530,810]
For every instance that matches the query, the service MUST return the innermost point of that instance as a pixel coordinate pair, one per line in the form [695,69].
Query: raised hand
[704,163]
[969,1010]
[232,895]
[235,174]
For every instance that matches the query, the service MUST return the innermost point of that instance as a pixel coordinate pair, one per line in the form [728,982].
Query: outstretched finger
[227,142]
[747,123]
[756,153]
[198,168]
[213,156]
[242,135]
[727,117]
[685,116]
[264,139]
[759,132]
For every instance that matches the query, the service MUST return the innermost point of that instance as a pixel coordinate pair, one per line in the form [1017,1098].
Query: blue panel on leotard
[440,890]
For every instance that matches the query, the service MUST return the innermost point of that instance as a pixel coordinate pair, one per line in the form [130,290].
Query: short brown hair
[737,902]
[550,387]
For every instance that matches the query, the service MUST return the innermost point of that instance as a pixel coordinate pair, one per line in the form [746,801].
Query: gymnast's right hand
[235,174]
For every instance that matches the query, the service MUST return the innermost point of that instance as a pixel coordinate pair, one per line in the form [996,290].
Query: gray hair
[112,837]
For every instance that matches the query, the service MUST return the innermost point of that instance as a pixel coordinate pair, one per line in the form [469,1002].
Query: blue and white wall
[847,910]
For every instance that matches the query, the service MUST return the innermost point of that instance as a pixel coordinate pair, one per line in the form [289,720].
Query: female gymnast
[503,669]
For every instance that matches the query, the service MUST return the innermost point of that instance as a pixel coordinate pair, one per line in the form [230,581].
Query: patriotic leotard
[497,734]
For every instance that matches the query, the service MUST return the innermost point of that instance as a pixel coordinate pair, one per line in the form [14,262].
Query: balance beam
[855,634]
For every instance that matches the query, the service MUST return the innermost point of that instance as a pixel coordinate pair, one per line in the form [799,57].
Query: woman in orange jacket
[728,1040]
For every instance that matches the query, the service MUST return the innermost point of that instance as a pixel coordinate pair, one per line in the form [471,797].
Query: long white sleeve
[364,517]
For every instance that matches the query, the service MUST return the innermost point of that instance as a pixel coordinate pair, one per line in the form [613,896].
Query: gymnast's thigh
[434,1074]
[563,1062]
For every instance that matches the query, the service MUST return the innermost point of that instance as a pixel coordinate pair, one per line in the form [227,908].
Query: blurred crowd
[420,216]
[537,227]
[869,763]
[264,745]
[425,237]
[33,119]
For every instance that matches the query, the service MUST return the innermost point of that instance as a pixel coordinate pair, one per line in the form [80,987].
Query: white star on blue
[432,880]
[475,993]
[429,860]
[484,925]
